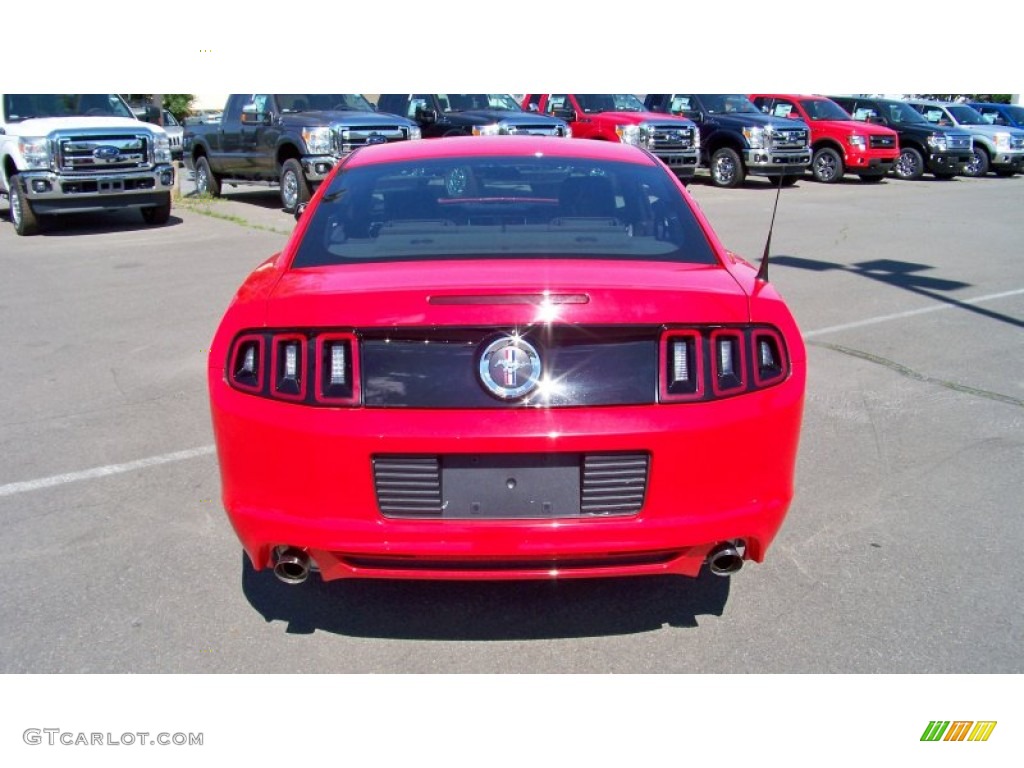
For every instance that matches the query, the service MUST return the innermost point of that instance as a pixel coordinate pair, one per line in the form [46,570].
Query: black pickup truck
[471,114]
[737,139]
[944,152]
[289,139]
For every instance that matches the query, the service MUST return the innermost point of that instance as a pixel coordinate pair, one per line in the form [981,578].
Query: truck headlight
[937,141]
[487,130]
[415,133]
[317,140]
[1002,141]
[858,142]
[756,137]
[161,148]
[628,134]
[35,150]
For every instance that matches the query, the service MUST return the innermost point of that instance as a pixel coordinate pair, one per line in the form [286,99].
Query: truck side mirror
[250,116]
[299,210]
[426,114]
[569,115]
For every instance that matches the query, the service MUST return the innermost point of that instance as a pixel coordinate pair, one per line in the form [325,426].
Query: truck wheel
[206,182]
[726,168]
[294,187]
[827,166]
[158,214]
[22,215]
[979,163]
[909,165]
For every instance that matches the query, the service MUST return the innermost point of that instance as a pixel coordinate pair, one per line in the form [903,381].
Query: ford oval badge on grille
[510,367]
[106,152]
[376,138]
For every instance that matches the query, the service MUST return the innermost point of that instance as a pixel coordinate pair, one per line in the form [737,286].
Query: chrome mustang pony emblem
[510,367]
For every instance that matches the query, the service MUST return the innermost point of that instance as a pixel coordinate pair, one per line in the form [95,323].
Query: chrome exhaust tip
[291,565]
[725,559]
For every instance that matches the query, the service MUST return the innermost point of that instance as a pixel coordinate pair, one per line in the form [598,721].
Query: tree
[178,104]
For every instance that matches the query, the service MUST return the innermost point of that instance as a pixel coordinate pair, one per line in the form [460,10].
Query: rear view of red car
[840,144]
[505,358]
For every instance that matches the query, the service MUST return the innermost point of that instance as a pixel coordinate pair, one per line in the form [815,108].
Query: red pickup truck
[840,144]
[623,118]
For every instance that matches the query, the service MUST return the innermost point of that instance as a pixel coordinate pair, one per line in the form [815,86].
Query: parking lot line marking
[908,313]
[111,469]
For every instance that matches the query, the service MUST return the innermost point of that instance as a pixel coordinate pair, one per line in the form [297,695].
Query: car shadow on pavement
[901,274]
[78,224]
[456,610]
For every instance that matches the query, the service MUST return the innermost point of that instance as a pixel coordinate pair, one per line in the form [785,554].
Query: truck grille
[1017,142]
[789,138]
[883,142]
[959,141]
[666,138]
[532,129]
[98,154]
[349,139]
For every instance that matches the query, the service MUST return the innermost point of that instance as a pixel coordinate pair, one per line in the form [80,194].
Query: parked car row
[62,153]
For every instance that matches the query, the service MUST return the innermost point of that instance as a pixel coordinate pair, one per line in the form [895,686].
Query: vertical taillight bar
[771,365]
[337,369]
[728,361]
[682,366]
[245,365]
[288,363]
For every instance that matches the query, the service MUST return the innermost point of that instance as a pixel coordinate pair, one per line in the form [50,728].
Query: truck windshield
[323,102]
[465,102]
[503,208]
[965,115]
[728,103]
[823,109]
[901,113]
[25,106]
[609,102]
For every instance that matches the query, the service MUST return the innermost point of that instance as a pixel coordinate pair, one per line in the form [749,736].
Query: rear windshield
[503,208]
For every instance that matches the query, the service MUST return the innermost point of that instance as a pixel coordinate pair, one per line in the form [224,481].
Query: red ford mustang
[505,358]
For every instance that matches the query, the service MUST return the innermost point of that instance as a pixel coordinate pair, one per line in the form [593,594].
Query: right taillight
[337,369]
[707,363]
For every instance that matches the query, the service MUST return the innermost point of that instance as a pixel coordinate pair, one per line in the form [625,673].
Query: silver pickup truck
[74,153]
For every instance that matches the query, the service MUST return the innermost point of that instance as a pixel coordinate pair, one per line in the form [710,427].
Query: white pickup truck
[74,153]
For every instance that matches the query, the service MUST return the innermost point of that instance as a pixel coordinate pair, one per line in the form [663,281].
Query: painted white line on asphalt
[910,313]
[111,469]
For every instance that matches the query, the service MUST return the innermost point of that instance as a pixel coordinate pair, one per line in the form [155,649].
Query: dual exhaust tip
[292,565]
[726,558]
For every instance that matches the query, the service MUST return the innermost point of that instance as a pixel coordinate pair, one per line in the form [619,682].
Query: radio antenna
[762,273]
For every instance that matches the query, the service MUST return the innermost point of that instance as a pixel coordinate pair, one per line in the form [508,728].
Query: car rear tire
[909,166]
[727,168]
[207,182]
[158,214]
[827,166]
[979,164]
[22,215]
[294,187]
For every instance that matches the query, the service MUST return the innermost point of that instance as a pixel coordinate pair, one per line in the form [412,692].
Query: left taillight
[314,368]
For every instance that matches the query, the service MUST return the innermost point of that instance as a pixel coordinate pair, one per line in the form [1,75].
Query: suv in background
[996,148]
[1011,115]
[471,114]
[737,140]
[622,117]
[839,144]
[943,152]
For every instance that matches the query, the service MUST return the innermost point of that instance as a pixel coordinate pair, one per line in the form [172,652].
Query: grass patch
[207,205]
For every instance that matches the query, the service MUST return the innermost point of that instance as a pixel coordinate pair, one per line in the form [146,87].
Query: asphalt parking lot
[898,555]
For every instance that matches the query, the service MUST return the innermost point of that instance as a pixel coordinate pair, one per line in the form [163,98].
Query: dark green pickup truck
[293,140]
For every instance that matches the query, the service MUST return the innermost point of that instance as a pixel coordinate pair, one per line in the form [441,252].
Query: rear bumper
[302,477]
